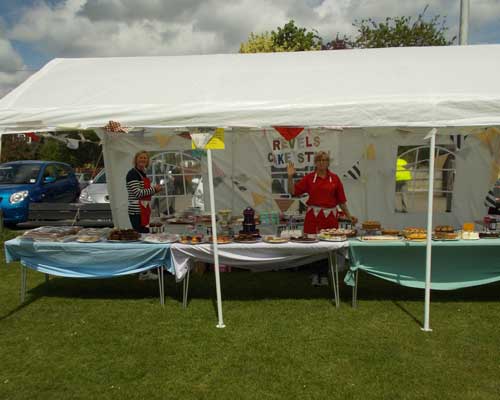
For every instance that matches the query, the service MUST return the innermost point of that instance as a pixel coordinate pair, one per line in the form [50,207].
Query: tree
[258,43]
[288,38]
[19,147]
[16,147]
[339,43]
[402,31]
[294,38]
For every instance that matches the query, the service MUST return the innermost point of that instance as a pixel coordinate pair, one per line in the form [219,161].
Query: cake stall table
[260,256]
[455,264]
[89,260]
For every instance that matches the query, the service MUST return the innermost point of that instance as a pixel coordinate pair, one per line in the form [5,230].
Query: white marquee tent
[352,100]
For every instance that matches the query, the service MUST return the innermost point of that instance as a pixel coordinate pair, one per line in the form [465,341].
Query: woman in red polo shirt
[326,192]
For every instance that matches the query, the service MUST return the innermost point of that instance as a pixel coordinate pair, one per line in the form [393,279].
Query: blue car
[22,182]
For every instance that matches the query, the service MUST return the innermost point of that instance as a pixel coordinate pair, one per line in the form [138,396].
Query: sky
[32,32]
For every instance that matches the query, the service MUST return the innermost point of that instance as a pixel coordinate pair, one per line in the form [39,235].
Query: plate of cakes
[88,238]
[160,238]
[221,239]
[339,232]
[191,239]
[415,234]
[445,232]
[246,238]
[327,237]
[275,239]
[303,239]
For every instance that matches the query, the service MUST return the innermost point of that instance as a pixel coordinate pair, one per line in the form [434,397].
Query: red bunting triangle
[284,204]
[185,135]
[289,132]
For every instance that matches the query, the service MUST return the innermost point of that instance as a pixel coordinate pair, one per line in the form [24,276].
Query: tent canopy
[413,86]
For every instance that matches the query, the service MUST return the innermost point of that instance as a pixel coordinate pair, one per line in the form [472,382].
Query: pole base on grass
[426,330]
[221,326]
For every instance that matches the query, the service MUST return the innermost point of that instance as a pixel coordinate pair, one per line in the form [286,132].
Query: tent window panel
[180,172]
[412,179]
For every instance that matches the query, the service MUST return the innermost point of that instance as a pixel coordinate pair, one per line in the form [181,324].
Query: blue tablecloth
[455,264]
[88,260]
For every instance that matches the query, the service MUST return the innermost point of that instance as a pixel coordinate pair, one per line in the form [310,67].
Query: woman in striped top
[139,193]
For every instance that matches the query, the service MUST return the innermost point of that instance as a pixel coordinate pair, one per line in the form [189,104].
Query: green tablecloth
[455,264]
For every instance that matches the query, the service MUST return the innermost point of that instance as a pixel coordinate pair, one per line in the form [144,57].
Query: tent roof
[412,86]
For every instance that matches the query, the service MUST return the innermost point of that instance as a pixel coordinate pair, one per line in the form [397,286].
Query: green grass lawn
[110,339]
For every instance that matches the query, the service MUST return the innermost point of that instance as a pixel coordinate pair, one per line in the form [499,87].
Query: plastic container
[493,224]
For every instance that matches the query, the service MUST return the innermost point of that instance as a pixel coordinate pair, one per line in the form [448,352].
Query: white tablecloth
[259,256]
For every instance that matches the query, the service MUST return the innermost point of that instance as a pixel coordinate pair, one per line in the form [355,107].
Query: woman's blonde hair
[320,154]
[138,154]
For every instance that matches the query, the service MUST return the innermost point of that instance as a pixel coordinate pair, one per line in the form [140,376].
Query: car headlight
[86,197]
[18,197]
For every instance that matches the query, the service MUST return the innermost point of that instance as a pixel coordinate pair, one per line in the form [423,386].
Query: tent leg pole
[159,271]
[23,283]
[220,323]
[428,250]
[355,290]
[185,291]
[334,281]
[336,265]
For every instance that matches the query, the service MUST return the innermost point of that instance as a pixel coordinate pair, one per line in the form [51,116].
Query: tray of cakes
[371,226]
[275,239]
[391,232]
[52,233]
[160,238]
[445,232]
[379,238]
[339,232]
[246,238]
[304,239]
[489,235]
[123,235]
[221,239]
[191,239]
[470,235]
[415,234]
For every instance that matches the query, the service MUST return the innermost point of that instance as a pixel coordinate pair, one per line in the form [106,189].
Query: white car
[96,191]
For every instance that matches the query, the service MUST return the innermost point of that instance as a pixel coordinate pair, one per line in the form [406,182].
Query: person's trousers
[135,220]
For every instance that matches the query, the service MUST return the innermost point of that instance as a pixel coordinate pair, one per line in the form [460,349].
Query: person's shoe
[148,276]
[315,280]
[324,281]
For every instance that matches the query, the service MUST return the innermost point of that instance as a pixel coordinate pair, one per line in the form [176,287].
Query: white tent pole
[428,250]
[214,239]
[464,22]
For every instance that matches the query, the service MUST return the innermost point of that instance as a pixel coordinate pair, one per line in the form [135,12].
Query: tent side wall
[245,172]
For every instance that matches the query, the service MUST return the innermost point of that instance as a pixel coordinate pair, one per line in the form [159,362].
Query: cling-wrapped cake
[124,235]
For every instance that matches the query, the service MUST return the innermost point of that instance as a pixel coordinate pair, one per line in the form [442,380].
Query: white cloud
[12,68]
[85,28]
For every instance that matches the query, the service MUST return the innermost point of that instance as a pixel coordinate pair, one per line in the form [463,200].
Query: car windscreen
[101,178]
[19,174]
